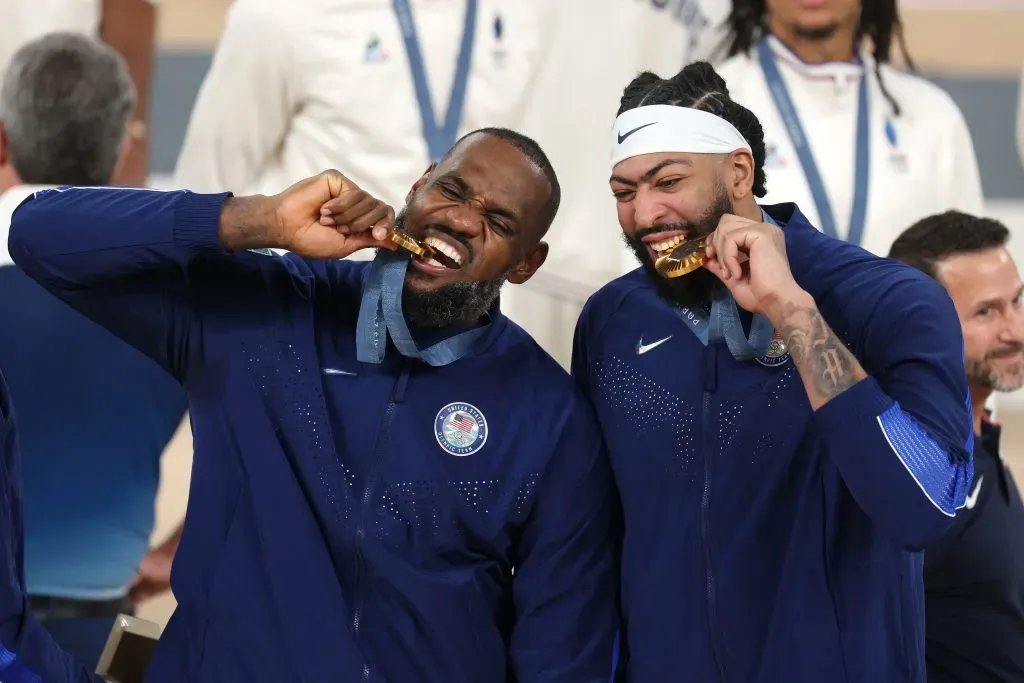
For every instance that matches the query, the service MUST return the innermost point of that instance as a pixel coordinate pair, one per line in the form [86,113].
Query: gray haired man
[94,415]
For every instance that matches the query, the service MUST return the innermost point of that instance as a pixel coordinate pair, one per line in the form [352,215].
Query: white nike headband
[659,128]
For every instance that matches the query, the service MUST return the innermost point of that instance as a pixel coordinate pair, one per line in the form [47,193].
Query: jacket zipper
[710,385]
[373,475]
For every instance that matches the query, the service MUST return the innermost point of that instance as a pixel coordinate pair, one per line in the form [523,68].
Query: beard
[454,303]
[981,373]
[694,288]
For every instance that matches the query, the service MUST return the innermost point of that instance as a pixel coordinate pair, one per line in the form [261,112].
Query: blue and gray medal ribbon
[380,317]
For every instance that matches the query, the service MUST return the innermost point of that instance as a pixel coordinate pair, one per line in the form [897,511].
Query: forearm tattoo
[826,366]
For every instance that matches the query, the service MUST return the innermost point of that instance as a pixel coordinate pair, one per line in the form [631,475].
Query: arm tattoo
[826,366]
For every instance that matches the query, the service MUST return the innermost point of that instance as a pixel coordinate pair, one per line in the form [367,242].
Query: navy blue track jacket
[346,521]
[27,652]
[765,542]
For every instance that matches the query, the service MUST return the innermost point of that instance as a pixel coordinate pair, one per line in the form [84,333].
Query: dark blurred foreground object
[128,651]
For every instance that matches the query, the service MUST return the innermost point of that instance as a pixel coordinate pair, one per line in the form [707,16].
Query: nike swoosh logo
[642,348]
[623,136]
[335,371]
[972,499]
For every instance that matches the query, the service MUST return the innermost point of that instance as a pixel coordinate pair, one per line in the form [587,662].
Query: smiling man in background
[974,576]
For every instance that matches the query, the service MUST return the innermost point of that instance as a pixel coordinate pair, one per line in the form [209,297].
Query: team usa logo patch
[460,429]
[776,354]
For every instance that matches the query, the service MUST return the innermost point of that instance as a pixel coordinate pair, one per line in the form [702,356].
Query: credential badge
[460,429]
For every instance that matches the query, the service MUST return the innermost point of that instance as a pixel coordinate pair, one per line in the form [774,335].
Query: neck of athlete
[978,398]
[837,46]
[748,208]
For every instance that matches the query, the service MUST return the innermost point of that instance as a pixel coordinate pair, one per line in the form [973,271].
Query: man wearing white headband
[788,425]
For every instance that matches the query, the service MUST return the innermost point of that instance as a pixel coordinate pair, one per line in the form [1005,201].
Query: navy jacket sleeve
[27,652]
[566,577]
[121,256]
[902,438]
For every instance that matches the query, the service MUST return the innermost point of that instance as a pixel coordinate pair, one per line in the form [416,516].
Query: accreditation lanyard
[441,136]
[786,109]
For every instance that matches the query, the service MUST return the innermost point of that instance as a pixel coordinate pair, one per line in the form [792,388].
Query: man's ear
[525,269]
[122,155]
[740,174]
[420,182]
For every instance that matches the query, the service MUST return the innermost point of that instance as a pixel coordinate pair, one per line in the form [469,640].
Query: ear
[525,269]
[739,174]
[420,182]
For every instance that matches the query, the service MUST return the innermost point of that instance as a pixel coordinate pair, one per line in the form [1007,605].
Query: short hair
[932,240]
[879,21]
[698,86]
[532,150]
[65,103]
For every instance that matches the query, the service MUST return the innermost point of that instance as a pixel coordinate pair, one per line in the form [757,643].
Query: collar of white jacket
[660,128]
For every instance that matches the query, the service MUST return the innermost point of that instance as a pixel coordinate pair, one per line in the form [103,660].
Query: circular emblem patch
[460,429]
[776,354]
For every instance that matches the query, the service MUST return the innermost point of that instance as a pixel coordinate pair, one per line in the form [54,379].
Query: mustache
[437,227]
[691,229]
[1008,350]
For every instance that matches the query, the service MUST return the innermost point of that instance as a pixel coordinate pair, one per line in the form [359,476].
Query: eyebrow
[489,209]
[651,172]
[994,302]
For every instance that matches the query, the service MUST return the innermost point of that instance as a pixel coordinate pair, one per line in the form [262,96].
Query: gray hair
[65,104]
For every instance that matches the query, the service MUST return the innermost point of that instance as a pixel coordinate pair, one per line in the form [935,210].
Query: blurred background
[970,48]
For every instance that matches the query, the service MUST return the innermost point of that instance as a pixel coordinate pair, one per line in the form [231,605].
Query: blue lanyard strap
[787,110]
[440,138]
[723,323]
[380,316]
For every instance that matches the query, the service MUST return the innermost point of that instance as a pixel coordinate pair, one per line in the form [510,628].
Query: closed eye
[450,190]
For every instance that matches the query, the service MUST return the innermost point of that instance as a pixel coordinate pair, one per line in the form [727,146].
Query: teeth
[434,262]
[445,248]
[668,244]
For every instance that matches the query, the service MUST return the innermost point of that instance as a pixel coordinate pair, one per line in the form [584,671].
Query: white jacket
[922,161]
[301,86]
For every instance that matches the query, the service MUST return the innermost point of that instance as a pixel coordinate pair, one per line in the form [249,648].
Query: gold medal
[424,251]
[683,259]
[408,243]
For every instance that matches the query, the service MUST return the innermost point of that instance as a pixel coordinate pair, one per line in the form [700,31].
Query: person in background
[128,26]
[379,89]
[863,147]
[974,576]
[95,414]
[28,653]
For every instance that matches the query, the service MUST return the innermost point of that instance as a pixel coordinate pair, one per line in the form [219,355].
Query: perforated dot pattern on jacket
[650,408]
[288,384]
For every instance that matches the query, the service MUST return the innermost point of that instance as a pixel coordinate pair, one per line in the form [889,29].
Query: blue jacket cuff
[197,221]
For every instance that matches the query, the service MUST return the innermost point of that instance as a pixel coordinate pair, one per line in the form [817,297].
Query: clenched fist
[326,216]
